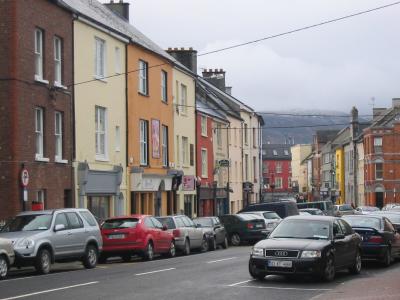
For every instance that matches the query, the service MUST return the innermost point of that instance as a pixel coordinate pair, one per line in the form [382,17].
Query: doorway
[379,199]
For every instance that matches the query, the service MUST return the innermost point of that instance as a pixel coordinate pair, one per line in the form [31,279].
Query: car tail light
[375,239]
[250,226]
[176,233]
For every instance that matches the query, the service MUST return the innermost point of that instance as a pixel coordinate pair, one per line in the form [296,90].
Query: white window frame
[39,122]
[100,59]
[57,61]
[164,145]
[58,133]
[376,172]
[183,101]
[164,86]
[118,65]
[218,134]
[378,144]
[117,138]
[204,163]
[185,150]
[144,142]
[39,34]
[143,77]
[101,154]
[246,167]
[278,167]
[203,125]
[280,181]
[246,134]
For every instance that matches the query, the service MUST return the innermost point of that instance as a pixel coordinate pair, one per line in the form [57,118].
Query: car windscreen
[345,207]
[271,215]
[204,222]
[394,218]
[29,223]
[302,229]
[167,221]
[369,222]
[369,208]
[120,223]
[247,217]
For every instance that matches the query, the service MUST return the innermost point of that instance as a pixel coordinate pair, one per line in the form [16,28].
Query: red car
[135,234]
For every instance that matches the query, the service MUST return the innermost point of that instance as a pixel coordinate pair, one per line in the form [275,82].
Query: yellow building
[339,171]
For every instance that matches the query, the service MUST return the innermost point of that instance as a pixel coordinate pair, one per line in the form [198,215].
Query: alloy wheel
[235,239]
[329,271]
[204,245]
[150,252]
[172,250]
[3,267]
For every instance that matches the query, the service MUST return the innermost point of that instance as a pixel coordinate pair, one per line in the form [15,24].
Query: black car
[282,208]
[393,216]
[313,245]
[380,240]
[244,227]
[213,225]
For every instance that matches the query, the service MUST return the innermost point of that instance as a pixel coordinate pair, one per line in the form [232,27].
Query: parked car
[312,211]
[7,257]
[314,245]
[380,241]
[41,238]
[343,209]
[136,234]
[365,210]
[214,230]
[282,208]
[325,206]
[244,227]
[304,213]
[393,216]
[271,218]
[389,206]
[186,234]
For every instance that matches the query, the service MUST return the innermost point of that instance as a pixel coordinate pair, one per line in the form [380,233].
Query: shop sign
[188,183]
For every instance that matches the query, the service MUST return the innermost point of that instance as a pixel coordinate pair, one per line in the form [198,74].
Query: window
[246,167]
[143,77]
[378,144]
[58,135]
[57,61]
[219,135]
[164,145]
[185,151]
[100,58]
[204,163]
[188,203]
[286,152]
[118,60]
[183,99]
[74,220]
[40,196]
[164,86]
[117,138]
[278,167]
[254,138]
[327,176]
[274,152]
[39,131]
[101,132]
[254,169]
[278,182]
[379,171]
[191,154]
[61,219]
[144,134]
[38,54]
[99,206]
[246,135]
[203,125]
[326,158]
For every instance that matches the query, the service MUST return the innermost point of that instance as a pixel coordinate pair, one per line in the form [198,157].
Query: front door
[379,199]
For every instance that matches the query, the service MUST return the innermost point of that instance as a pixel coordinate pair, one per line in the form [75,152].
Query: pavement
[221,274]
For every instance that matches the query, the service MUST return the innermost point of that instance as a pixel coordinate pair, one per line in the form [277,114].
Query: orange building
[150,131]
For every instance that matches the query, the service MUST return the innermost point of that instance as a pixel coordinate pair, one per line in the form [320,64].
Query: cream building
[185,139]
[299,169]
[360,173]
[100,118]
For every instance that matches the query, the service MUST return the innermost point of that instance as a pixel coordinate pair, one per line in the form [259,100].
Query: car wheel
[387,260]
[225,243]
[149,252]
[172,250]
[328,274]
[43,261]
[186,248]
[204,245]
[235,239]
[213,244]
[90,258]
[3,267]
[126,257]
[356,268]
[256,274]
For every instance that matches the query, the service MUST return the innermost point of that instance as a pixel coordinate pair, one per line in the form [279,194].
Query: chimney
[187,57]
[215,77]
[228,90]
[376,112]
[396,102]
[120,8]
[354,123]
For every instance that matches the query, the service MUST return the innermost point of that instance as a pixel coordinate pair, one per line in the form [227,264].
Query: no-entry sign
[24,177]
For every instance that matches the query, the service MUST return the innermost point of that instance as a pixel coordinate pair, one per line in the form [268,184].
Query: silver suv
[6,257]
[41,238]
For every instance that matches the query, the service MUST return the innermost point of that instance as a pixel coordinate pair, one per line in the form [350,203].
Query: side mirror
[59,227]
[217,227]
[339,236]
[198,226]
[164,227]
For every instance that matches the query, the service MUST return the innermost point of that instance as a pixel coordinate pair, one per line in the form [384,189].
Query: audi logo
[281,253]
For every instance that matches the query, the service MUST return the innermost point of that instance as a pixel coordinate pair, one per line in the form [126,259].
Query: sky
[331,67]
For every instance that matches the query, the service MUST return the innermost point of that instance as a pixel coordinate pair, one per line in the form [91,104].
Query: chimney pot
[187,58]
[210,70]
[191,48]
[176,49]
[221,70]
[169,49]
[182,48]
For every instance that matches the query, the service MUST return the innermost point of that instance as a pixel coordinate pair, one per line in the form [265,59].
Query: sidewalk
[383,286]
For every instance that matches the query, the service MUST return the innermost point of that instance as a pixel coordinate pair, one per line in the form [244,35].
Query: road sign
[24,177]
[224,163]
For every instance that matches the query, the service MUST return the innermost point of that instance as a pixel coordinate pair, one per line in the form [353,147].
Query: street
[220,274]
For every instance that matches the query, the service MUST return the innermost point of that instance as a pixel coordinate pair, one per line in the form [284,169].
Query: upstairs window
[278,167]
[164,145]
[100,58]
[378,144]
[39,131]
[101,132]
[164,86]
[118,68]
[219,135]
[185,151]
[183,99]
[39,54]
[143,77]
[57,61]
[203,125]
[204,163]
[379,171]
[58,135]
[144,140]
[246,134]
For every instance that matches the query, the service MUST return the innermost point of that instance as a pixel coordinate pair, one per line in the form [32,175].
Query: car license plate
[116,236]
[259,225]
[280,263]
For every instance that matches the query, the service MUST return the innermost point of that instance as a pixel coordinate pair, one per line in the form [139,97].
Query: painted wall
[360,174]
[299,153]
[340,176]
[205,142]
[235,157]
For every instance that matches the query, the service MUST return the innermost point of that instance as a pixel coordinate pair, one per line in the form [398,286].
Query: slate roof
[276,152]
[387,118]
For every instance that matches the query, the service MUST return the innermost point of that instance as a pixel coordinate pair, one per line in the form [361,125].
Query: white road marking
[218,260]
[151,272]
[41,276]
[49,291]
[279,288]
[237,283]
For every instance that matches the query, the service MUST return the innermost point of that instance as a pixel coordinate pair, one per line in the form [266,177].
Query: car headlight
[25,243]
[311,254]
[257,252]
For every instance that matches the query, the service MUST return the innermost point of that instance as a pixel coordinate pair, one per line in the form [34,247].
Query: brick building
[35,104]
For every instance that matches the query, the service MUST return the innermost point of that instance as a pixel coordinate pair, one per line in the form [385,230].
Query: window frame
[164,145]
[58,123]
[144,142]
[378,171]
[203,123]
[185,151]
[378,144]
[100,59]
[143,78]
[101,132]
[117,56]
[39,132]
[38,51]
[58,51]
[246,134]
[164,86]
[183,99]
[204,163]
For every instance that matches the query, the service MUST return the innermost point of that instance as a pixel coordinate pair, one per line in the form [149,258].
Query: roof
[388,118]
[325,136]
[276,152]
[312,217]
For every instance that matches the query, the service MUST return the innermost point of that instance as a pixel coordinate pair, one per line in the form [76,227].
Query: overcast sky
[333,67]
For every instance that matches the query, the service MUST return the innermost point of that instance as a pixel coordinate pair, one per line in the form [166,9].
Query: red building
[382,158]
[277,171]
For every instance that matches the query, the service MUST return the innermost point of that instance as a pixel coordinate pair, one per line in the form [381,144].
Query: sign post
[24,183]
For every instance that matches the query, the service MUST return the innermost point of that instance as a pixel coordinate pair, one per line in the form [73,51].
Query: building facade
[299,180]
